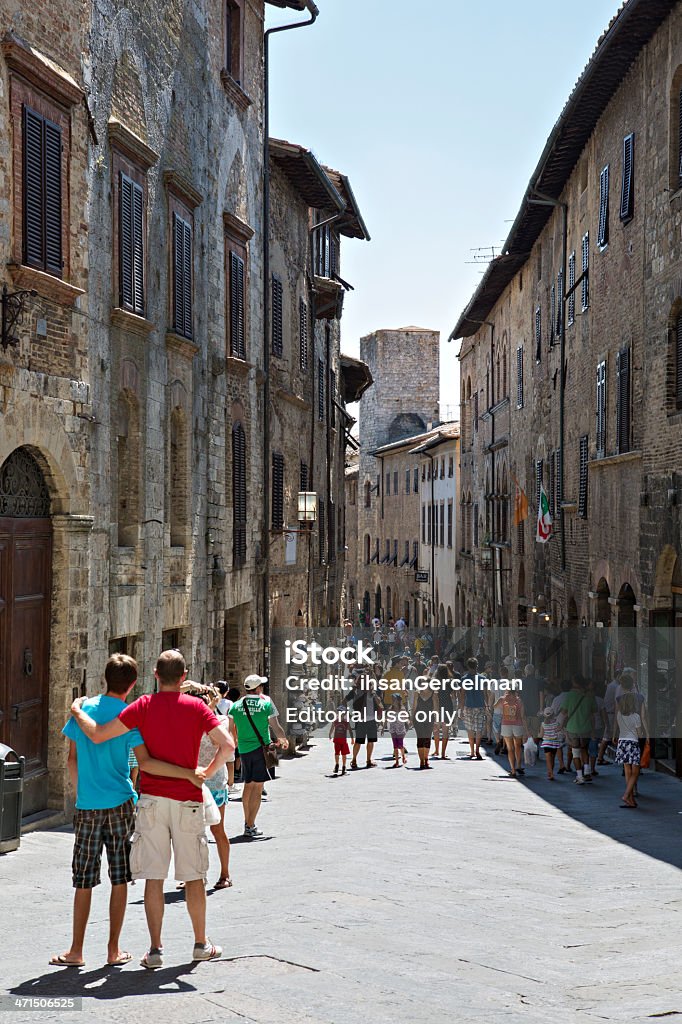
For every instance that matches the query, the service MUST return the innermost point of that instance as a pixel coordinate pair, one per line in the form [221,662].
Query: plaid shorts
[110,829]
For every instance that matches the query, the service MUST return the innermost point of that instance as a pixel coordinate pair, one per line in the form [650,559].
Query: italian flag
[544,528]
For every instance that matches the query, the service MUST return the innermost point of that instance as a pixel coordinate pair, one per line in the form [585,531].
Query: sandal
[353,765]
[61,961]
[224,882]
[121,959]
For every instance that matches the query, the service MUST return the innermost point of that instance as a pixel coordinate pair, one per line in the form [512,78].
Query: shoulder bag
[269,749]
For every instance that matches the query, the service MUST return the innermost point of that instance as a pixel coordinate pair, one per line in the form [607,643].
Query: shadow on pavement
[107,982]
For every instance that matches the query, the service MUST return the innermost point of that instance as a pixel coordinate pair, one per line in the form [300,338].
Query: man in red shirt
[168,815]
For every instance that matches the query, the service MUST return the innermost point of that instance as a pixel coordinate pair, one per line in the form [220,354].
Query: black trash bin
[11,798]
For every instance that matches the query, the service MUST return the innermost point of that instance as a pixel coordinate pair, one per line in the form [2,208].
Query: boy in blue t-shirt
[105,806]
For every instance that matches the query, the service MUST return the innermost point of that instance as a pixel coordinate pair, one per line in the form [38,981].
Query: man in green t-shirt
[577,718]
[251,719]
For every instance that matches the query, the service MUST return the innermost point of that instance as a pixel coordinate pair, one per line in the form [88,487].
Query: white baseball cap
[252,682]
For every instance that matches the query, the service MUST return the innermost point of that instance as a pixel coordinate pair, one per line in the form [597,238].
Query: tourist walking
[472,701]
[425,710]
[397,729]
[514,730]
[365,704]
[442,679]
[577,718]
[340,732]
[626,736]
[552,738]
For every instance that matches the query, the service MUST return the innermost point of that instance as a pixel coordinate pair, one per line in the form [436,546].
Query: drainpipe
[313,12]
[434,614]
[540,199]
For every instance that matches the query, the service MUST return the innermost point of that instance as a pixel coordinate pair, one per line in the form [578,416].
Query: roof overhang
[295,5]
[328,299]
[357,378]
[307,176]
[617,49]
[351,224]
[443,437]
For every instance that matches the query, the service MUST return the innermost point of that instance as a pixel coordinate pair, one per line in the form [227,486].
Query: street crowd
[567,723]
[150,777]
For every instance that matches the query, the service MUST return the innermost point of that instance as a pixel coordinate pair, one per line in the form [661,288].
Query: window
[415,554]
[450,524]
[367,548]
[375,556]
[408,481]
[415,482]
[332,400]
[603,231]
[303,333]
[582,489]
[423,524]
[239,495]
[331,532]
[277,317]
[131,244]
[429,523]
[388,484]
[406,556]
[326,252]
[538,334]
[387,553]
[321,534]
[177,502]
[519,377]
[585,289]
[395,482]
[678,362]
[559,302]
[552,484]
[679,139]
[623,400]
[441,538]
[182,276]
[320,390]
[304,477]
[234,39]
[237,305]
[538,480]
[368,494]
[520,539]
[475,418]
[277,491]
[627,194]
[600,430]
[451,467]
[552,314]
[128,450]
[571,284]
[394,559]
[475,524]
[42,193]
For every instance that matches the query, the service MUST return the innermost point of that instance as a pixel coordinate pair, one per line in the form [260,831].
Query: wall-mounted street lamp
[307,509]
[13,309]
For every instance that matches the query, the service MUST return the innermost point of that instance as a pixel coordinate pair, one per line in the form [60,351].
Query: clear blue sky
[437,112]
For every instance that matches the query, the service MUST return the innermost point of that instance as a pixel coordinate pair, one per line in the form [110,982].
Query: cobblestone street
[391,895]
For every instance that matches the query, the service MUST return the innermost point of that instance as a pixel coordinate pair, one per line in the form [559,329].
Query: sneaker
[206,952]
[251,832]
[153,959]
[233,790]
[579,780]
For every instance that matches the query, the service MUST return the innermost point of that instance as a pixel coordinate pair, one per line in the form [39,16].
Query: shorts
[365,731]
[424,741]
[497,723]
[517,731]
[398,742]
[95,830]
[576,741]
[162,825]
[341,747]
[219,795]
[475,720]
[254,768]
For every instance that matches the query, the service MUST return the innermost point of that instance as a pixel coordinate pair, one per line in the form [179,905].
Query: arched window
[128,469]
[238,495]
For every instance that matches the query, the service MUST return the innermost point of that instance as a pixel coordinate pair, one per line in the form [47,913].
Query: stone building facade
[396,414]
[131,382]
[438,493]
[582,315]
[310,386]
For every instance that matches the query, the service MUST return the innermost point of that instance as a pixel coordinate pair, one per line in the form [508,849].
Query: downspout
[434,617]
[313,11]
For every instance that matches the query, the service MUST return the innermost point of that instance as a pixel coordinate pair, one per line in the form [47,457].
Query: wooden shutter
[277,491]
[320,521]
[450,525]
[627,198]
[603,230]
[303,333]
[623,400]
[138,250]
[582,491]
[678,363]
[538,334]
[237,334]
[538,480]
[571,282]
[320,389]
[552,484]
[559,302]
[130,242]
[679,137]
[601,409]
[585,289]
[304,477]
[238,495]
[182,276]
[331,533]
[519,377]
[332,399]
[552,313]
[42,188]
[277,317]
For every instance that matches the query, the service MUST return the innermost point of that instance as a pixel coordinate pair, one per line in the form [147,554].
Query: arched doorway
[25,589]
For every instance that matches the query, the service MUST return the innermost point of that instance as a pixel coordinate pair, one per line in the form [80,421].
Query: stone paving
[452,895]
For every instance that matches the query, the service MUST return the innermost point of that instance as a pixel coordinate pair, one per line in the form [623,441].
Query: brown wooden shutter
[552,484]
[239,494]
[559,302]
[304,477]
[277,491]
[623,400]
[601,408]
[627,198]
[125,239]
[585,286]
[679,137]
[603,229]
[331,533]
[320,523]
[42,188]
[519,377]
[538,480]
[138,250]
[332,398]
[678,363]
[182,276]
[538,334]
[320,389]
[571,282]
[277,317]
[303,333]
[237,335]
[552,313]
[582,492]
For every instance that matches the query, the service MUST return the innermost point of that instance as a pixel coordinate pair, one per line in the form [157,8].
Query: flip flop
[61,961]
[124,958]
[224,882]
